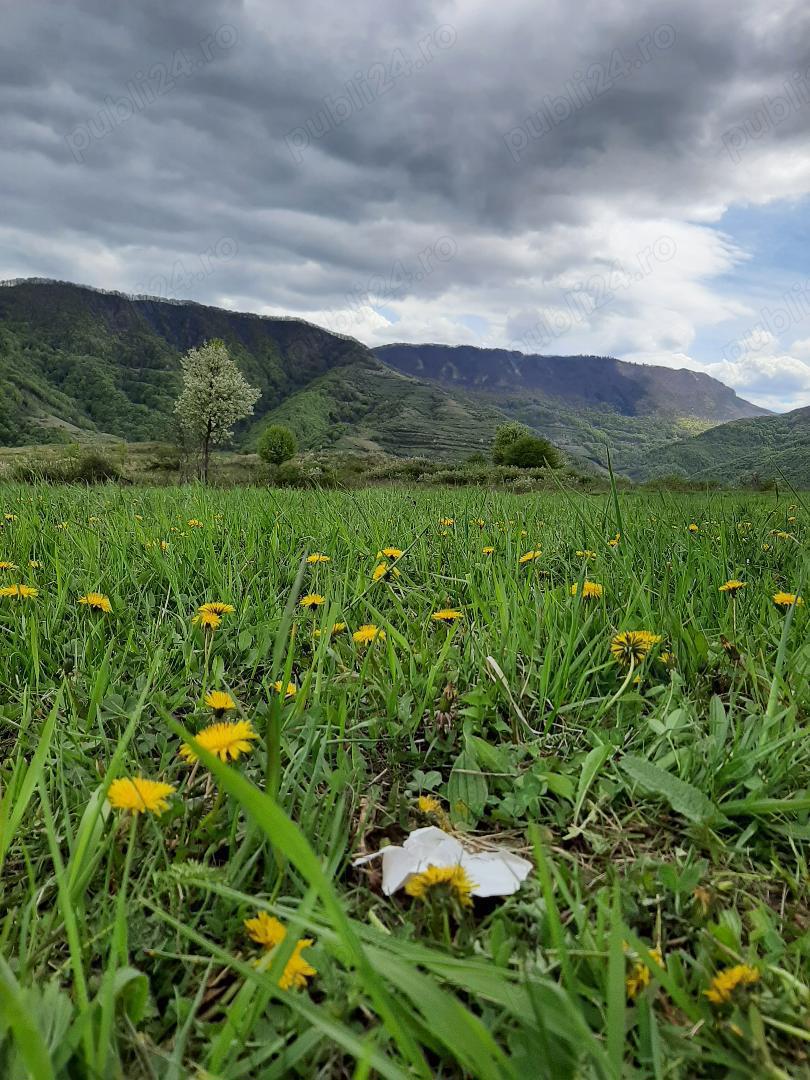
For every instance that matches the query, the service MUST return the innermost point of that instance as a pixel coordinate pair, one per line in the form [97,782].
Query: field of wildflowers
[214,703]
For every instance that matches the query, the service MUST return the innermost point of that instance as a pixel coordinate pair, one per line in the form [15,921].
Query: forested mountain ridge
[590,382]
[71,356]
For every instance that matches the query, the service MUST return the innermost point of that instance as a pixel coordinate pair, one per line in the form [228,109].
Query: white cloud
[766,375]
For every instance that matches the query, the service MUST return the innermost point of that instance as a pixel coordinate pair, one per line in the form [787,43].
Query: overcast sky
[615,177]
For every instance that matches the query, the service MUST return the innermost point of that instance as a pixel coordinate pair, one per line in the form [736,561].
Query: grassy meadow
[659,783]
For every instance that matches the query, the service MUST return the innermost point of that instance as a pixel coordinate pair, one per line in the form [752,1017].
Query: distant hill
[76,362]
[581,403]
[586,382]
[767,447]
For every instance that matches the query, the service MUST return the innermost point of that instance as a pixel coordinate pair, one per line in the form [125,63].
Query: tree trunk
[206,452]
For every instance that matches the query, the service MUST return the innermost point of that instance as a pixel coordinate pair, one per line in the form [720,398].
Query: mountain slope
[590,382]
[75,360]
[765,447]
[581,403]
[358,408]
[108,362]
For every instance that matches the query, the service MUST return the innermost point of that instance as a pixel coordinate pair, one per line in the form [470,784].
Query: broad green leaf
[593,762]
[14,804]
[467,789]
[29,1042]
[684,798]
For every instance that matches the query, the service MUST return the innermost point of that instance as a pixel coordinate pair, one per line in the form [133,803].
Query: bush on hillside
[505,436]
[531,452]
[277,444]
[90,467]
[305,473]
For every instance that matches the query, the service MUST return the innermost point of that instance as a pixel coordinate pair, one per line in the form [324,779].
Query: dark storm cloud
[322,142]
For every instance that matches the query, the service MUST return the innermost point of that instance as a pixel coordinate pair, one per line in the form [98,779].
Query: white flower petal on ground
[494,873]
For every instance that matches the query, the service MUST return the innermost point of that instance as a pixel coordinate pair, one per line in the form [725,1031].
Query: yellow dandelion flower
[311,600]
[383,571]
[97,601]
[21,592]
[367,633]
[529,556]
[8,566]
[732,586]
[632,645]
[693,528]
[639,975]
[217,607]
[726,982]
[297,970]
[586,553]
[431,807]
[224,740]
[450,880]
[479,522]
[591,590]
[137,794]
[488,550]
[447,615]
[337,628]
[317,557]
[783,599]
[268,932]
[208,620]
[193,523]
[219,701]
[390,553]
[9,517]
[290,691]
[447,522]
[428,804]
[33,564]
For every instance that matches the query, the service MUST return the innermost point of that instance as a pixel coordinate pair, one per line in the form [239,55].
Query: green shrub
[531,452]
[476,458]
[305,473]
[277,444]
[403,469]
[458,477]
[90,467]
[505,436]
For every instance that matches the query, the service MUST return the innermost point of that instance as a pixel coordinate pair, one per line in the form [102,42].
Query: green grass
[667,807]
[765,448]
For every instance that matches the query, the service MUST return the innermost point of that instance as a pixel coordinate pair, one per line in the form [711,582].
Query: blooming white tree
[215,395]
